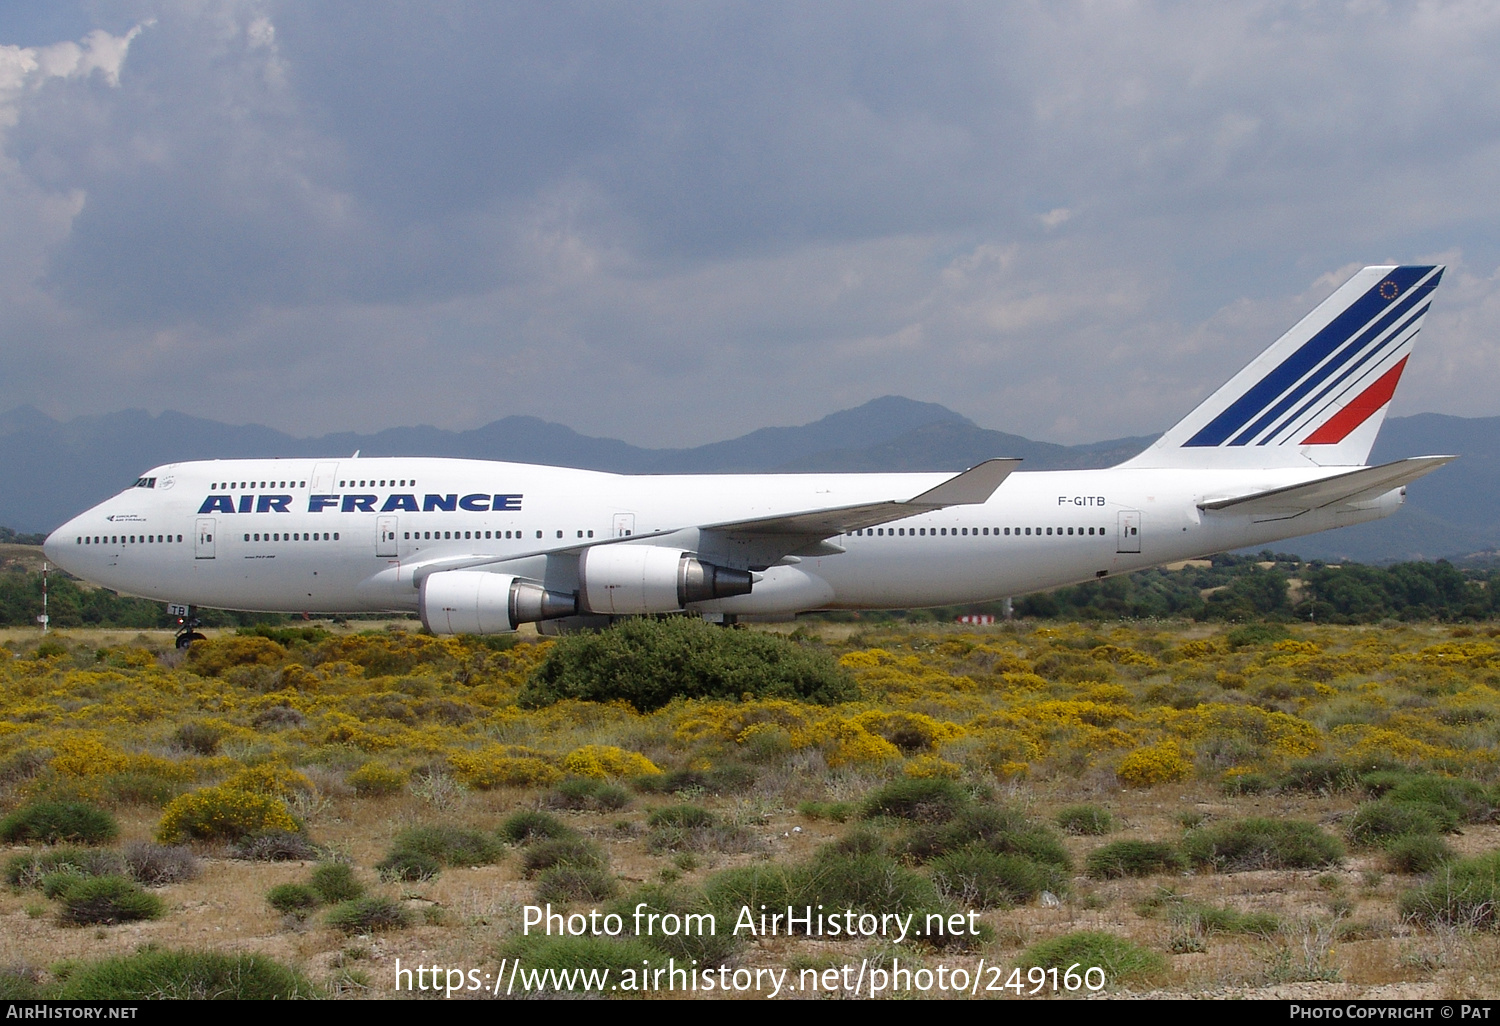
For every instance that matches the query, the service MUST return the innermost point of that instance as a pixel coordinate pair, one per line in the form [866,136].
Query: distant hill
[54,469]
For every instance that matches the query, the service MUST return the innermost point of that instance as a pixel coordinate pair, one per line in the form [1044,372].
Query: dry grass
[1340,934]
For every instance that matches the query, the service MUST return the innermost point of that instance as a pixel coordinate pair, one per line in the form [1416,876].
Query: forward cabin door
[385,537]
[1130,531]
[203,542]
[324,476]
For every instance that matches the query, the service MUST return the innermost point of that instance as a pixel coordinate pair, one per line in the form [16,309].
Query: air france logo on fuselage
[478,502]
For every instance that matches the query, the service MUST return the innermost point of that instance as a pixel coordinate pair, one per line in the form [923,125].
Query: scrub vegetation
[1199,807]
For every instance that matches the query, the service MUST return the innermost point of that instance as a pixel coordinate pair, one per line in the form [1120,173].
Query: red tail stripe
[1341,424]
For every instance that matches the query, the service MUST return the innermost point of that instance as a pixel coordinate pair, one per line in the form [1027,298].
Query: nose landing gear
[187,631]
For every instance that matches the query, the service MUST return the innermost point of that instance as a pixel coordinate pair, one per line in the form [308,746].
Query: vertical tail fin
[1318,395]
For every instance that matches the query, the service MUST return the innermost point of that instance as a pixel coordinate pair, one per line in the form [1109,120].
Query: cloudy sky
[674,223]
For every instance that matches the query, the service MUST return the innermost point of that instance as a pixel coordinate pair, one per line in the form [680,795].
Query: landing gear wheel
[187,634]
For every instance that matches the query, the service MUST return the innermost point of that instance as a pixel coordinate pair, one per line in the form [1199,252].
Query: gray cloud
[677,222]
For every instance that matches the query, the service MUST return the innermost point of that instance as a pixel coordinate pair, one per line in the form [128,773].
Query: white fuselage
[355,535]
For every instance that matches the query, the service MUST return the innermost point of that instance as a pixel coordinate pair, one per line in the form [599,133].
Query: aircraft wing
[1330,491]
[763,540]
[973,486]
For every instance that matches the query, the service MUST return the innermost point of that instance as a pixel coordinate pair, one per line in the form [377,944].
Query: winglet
[972,487]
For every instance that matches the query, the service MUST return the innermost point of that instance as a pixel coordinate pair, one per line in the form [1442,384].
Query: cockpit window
[145,482]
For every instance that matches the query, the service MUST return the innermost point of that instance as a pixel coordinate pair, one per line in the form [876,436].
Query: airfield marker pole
[44,597]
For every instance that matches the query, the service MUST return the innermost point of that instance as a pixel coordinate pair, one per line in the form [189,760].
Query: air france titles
[479,502]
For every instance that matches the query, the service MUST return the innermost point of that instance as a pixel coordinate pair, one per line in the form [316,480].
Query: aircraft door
[203,542]
[624,525]
[324,477]
[385,537]
[1130,531]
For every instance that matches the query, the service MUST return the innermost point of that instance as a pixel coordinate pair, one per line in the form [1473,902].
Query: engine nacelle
[475,602]
[631,579]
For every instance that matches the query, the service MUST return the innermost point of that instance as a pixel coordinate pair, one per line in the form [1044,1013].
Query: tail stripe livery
[1318,358]
[1393,342]
[1318,395]
[1360,410]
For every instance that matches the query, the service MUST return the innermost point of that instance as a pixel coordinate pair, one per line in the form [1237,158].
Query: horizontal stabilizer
[1330,491]
[972,487]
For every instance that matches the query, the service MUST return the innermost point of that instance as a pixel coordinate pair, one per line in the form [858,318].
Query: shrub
[183,975]
[681,816]
[1158,764]
[648,663]
[565,851]
[293,898]
[1122,960]
[1416,853]
[372,780]
[156,865]
[211,658]
[601,761]
[566,883]
[334,882]
[279,717]
[418,853]
[864,883]
[588,793]
[976,877]
[525,827]
[836,812]
[1318,776]
[726,779]
[1197,916]
[1086,819]
[369,915]
[925,799]
[223,814]
[108,899]
[29,868]
[487,770]
[1132,858]
[1463,800]
[859,841]
[1376,824]
[201,737]
[277,846]
[1262,844]
[1000,830]
[51,822]
[1465,893]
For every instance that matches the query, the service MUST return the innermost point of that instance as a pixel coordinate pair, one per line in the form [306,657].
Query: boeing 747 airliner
[482,547]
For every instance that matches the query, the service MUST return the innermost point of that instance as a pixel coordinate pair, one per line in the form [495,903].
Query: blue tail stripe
[1322,374]
[1265,391]
[1393,339]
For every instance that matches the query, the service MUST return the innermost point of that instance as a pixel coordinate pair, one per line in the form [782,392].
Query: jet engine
[475,602]
[623,579]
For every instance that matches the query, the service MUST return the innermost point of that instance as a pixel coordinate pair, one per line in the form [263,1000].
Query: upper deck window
[145,482]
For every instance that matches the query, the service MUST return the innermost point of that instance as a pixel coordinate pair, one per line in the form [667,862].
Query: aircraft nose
[57,543]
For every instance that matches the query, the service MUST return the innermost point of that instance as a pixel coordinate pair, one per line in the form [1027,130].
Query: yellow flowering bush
[492,767]
[931,766]
[600,761]
[1161,763]
[372,780]
[222,814]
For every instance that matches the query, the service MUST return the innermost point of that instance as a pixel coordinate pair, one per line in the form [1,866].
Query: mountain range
[53,469]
